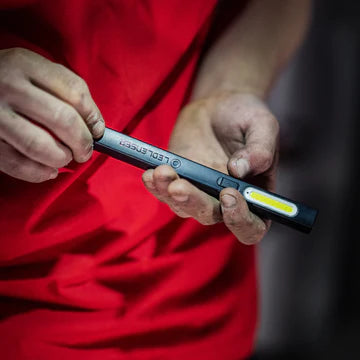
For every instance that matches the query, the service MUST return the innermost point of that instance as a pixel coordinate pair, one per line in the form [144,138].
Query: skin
[56,100]
[227,125]
[226,133]
[48,117]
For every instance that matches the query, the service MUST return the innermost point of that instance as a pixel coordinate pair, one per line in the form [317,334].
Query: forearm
[247,57]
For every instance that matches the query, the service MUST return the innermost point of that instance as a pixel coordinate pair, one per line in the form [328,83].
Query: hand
[233,133]
[47,116]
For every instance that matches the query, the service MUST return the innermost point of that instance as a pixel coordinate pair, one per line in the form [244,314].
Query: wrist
[222,97]
[243,82]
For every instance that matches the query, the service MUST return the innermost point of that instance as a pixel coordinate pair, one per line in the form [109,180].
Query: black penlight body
[260,201]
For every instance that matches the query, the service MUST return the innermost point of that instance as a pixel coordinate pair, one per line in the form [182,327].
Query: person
[92,266]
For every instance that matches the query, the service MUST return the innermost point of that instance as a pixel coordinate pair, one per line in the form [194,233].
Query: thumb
[257,154]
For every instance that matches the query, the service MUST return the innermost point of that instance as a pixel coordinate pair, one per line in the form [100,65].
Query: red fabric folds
[91,265]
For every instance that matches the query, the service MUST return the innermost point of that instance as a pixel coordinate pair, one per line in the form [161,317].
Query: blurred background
[310,287]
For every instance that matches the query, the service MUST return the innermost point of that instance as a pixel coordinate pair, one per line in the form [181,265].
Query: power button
[224,182]
[175,163]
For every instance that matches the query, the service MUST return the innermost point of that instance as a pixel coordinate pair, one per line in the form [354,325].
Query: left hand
[234,133]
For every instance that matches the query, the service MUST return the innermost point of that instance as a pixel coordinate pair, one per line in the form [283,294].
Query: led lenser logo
[270,202]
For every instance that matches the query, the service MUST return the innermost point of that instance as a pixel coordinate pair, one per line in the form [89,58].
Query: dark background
[310,284]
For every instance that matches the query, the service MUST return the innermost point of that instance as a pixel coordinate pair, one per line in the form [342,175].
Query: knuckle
[78,84]
[59,161]
[231,222]
[259,232]
[264,153]
[8,79]
[69,121]
[85,142]
[60,68]
[5,113]
[267,157]
[8,87]
[237,220]
[251,239]
[178,210]
[161,198]
[35,147]
[264,157]
[78,92]
[255,236]
[66,118]
[269,120]
[252,231]
[10,71]
[93,118]
[205,217]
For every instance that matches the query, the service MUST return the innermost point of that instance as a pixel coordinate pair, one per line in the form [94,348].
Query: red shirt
[91,265]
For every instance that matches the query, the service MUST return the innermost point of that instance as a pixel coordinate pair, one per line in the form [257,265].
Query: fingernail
[98,129]
[180,198]
[228,201]
[53,174]
[243,167]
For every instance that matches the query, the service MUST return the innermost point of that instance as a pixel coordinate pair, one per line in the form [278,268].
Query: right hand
[47,116]
[233,133]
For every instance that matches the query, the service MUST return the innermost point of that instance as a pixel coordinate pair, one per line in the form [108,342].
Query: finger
[147,178]
[64,84]
[32,141]
[158,180]
[257,155]
[195,203]
[56,115]
[18,166]
[247,227]
[164,177]
[182,197]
